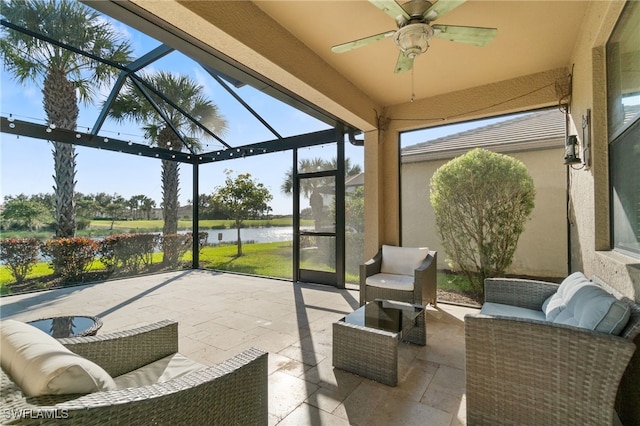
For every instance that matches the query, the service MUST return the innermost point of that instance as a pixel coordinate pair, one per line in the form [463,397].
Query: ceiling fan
[415,29]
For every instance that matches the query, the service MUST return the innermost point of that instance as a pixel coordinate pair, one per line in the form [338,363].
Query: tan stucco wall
[542,248]
[590,188]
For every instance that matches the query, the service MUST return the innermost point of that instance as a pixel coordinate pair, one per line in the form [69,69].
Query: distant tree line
[32,212]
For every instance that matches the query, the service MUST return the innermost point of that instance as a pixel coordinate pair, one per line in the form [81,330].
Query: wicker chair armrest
[529,294]
[426,278]
[428,262]
[124,351]
[370,267]
[524,371]
[233,392]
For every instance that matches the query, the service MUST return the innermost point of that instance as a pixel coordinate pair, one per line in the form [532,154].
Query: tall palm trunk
[170,183]
[61,106]
[170,191]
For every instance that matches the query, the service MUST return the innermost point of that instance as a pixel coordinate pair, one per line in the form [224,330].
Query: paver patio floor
[221,314]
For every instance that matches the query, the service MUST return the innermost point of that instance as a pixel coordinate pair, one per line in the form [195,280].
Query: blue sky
[26,165]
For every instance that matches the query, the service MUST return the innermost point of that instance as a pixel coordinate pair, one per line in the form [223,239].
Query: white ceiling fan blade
[404,63]
[345,47]
[391,8]
[477,36]
[441,7]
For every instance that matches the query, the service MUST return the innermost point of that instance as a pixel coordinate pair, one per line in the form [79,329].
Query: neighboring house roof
[356,180]
[533,131]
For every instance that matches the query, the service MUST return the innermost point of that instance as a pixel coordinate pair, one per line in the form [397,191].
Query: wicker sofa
[530,371]
[404,274]
[233,392]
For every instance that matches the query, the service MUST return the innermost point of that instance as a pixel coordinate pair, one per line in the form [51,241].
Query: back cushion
[592,307]
[402,260]
[557,302]
[40,365]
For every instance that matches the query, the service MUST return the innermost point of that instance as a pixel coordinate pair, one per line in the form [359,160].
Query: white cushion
[499,309]
[40,365]
[557,302]
[402,260]
[391,281]
[162,370]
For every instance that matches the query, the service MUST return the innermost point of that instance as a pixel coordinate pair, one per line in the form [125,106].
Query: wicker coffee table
[365,342]
[68,326]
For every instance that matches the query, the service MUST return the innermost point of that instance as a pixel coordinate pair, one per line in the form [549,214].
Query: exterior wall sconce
[572,146]
[571,150]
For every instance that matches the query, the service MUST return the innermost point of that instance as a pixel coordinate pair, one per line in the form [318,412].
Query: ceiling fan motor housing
[413,39]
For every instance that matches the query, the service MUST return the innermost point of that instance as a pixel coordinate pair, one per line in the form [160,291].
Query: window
[623,93]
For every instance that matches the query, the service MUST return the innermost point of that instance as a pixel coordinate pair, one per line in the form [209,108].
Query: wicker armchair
[233,392]
[526,371]
[422,292]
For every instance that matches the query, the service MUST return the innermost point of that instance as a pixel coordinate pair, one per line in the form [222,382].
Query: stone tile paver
[220,314]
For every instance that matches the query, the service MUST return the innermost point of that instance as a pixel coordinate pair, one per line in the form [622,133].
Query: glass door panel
[317,244]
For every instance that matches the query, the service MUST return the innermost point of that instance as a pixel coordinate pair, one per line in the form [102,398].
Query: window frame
[623,125]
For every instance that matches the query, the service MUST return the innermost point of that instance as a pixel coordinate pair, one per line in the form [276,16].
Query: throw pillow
[40,365]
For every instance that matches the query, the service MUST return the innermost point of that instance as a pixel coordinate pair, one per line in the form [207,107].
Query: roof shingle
[532,131]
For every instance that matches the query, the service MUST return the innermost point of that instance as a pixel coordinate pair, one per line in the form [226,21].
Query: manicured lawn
[266,259]
[40,270]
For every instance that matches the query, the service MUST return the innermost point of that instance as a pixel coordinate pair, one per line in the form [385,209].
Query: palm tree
[147,205]
[189,96]
[64,77]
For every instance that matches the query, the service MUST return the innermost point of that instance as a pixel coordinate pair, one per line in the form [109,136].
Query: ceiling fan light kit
[414,32]
[413,39]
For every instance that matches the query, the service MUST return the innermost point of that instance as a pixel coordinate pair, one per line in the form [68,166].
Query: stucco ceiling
[533,36]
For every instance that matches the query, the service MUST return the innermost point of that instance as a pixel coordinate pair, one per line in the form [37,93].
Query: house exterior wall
[589,191]
[542,248]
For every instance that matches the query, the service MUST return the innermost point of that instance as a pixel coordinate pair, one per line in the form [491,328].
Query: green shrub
[127,251]
[83,224]
[203,238]
[70,257]
[481,202]
[20,255]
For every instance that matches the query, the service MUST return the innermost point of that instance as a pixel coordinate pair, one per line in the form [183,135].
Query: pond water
[259,235]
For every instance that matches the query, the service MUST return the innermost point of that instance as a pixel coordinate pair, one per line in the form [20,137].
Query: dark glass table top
[387,315]
[69,326]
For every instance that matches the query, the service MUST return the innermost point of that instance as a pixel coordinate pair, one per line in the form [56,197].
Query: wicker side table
[371,350]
